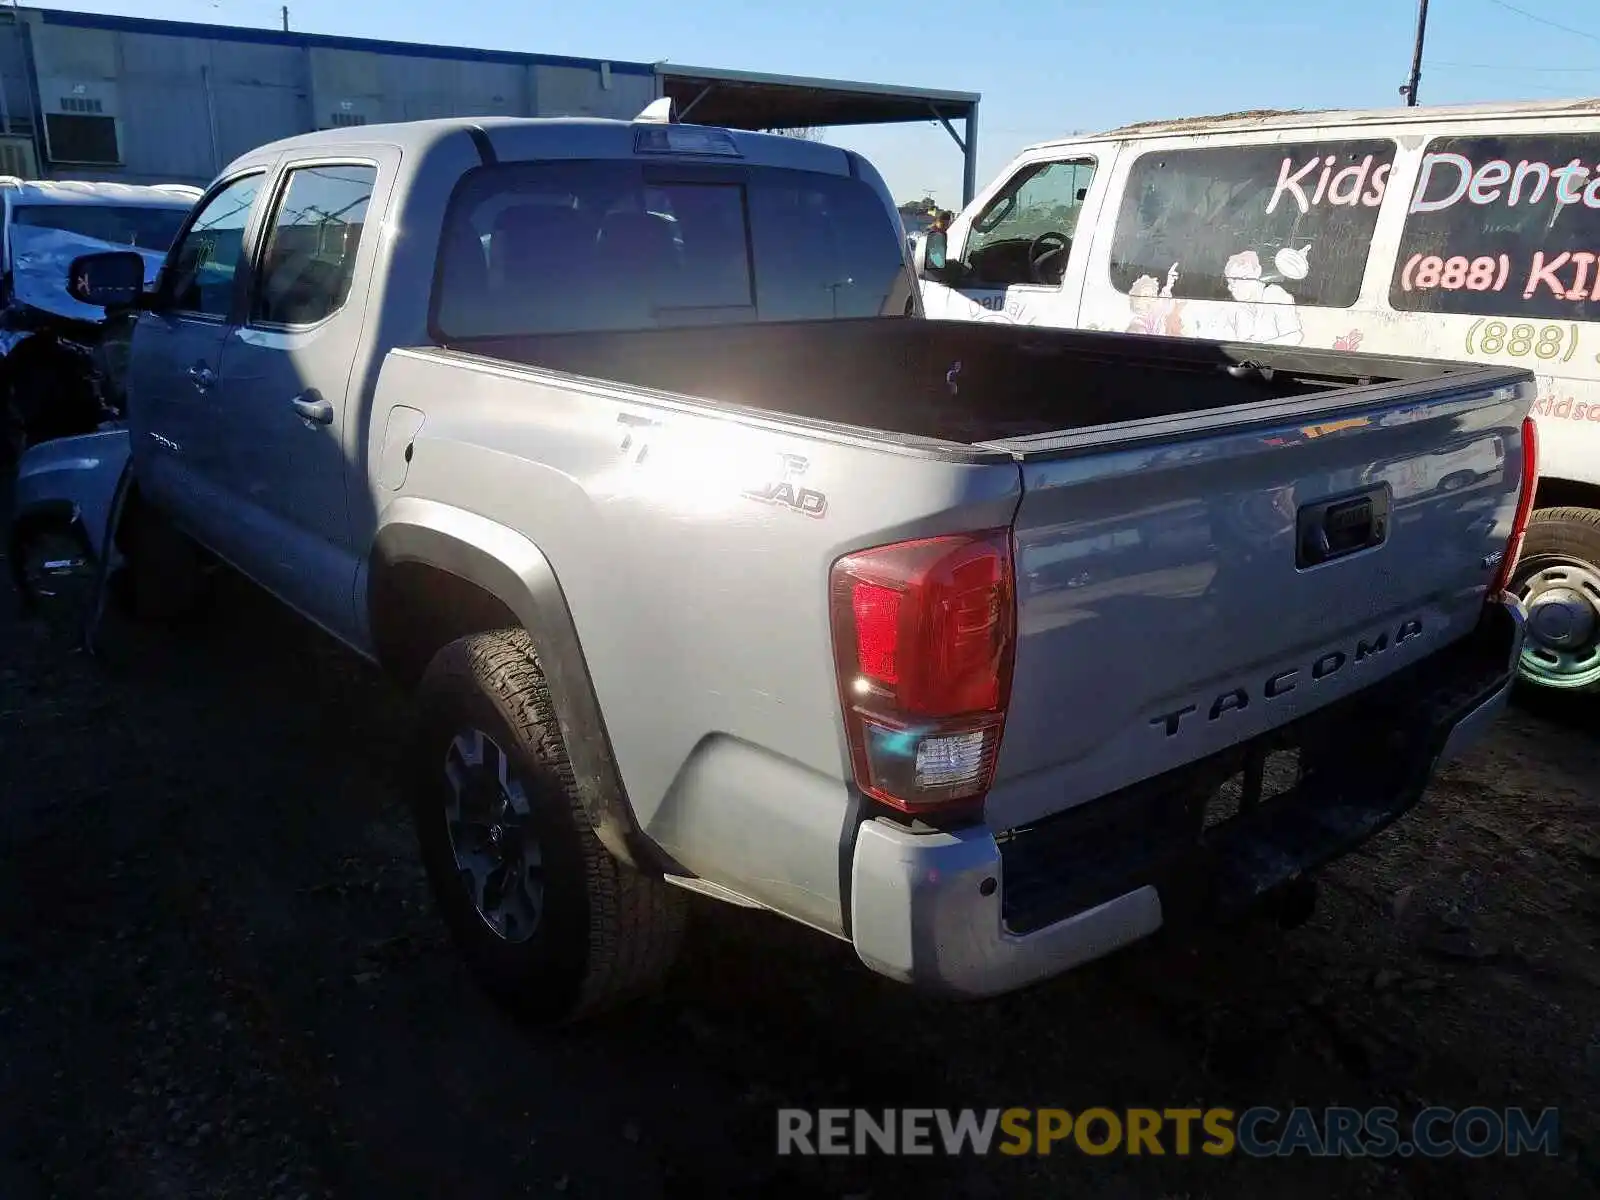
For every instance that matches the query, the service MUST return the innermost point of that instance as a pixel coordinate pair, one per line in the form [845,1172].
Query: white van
[1462,232]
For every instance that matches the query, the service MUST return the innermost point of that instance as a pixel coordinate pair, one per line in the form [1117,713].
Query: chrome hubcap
[1561,618]
[489,819]
[1563,631]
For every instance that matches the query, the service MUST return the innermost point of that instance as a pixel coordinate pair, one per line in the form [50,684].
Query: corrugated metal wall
[391,88]
[188,105]
[16,98]
[568,92]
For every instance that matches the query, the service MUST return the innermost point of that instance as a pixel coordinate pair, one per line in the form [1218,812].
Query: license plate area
[1282,803]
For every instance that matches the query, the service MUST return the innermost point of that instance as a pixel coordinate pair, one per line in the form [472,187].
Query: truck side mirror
[114,279]
[934,246]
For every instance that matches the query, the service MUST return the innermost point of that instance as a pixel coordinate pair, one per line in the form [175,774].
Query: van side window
[1024,235]
[1504,226]
[1289,223]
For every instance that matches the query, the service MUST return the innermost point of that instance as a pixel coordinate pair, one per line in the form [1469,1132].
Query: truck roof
[1271,118]
[601,136]
[79,191]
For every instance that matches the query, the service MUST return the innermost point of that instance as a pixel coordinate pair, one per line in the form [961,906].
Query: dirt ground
[220,975]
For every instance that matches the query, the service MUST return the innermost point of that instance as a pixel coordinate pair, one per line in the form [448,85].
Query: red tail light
[924,634]
[1519,524]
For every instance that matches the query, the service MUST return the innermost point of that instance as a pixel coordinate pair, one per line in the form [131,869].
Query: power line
[1461,66]
[1522,12]
[1556,93]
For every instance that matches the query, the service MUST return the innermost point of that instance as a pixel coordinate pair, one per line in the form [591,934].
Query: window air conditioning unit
[80,122]
[342,114]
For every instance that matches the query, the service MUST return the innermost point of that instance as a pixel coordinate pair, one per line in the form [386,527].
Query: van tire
[600,932]
[1561,560]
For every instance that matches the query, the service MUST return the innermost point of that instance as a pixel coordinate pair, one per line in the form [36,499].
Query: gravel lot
[220,975]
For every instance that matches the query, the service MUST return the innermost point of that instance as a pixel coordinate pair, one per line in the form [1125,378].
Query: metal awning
[748,100]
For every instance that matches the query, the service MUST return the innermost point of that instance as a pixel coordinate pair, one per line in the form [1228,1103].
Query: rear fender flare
[514,571]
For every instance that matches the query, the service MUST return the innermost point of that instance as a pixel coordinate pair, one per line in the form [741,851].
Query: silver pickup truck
[717,568]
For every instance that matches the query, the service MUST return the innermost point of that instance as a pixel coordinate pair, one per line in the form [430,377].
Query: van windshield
[557,247]
[120,225]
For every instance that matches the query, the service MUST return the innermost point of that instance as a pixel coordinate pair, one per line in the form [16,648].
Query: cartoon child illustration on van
[1153,308]
[1265,311]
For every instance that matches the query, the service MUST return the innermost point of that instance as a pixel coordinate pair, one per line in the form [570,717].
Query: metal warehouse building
[84,96]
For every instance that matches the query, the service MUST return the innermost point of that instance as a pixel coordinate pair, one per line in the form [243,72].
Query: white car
[59,365]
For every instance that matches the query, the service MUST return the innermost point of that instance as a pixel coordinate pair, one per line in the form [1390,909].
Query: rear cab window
[592,245]
[1277,226]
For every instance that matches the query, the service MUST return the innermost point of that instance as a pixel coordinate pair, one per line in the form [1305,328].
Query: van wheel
[552,925]
[1558,579]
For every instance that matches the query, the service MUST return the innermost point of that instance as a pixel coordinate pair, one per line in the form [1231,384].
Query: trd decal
[785,492]
[636,435]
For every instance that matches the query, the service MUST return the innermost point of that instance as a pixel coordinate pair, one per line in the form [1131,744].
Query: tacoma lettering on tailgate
[1281,683]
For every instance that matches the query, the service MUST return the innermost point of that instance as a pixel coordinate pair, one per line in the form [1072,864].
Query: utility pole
[286,18]
[1409,89]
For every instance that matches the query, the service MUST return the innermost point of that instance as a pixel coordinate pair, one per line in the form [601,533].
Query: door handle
[1328,530]
[313,408]
[202,376]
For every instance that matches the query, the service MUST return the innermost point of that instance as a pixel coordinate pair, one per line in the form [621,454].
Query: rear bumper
[972,914]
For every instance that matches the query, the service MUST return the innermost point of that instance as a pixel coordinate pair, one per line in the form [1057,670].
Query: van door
[1016,257]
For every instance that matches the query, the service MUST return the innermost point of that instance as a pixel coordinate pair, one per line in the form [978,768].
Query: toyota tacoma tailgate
[1186,585]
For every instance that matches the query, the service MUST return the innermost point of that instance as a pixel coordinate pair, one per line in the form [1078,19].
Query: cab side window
[1284,223]
[200,277]
[310,255]
[1024,235]
[1504,226]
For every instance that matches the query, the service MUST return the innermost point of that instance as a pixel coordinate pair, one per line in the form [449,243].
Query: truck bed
[955,381]
[1210,540]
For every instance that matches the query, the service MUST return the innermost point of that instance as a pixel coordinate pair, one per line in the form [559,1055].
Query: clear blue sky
[1045,67]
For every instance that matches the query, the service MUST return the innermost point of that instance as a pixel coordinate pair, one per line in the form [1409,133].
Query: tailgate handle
[1331,529]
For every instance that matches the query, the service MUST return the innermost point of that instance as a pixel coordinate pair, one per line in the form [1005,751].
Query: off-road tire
[1568,534]
[607,932]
